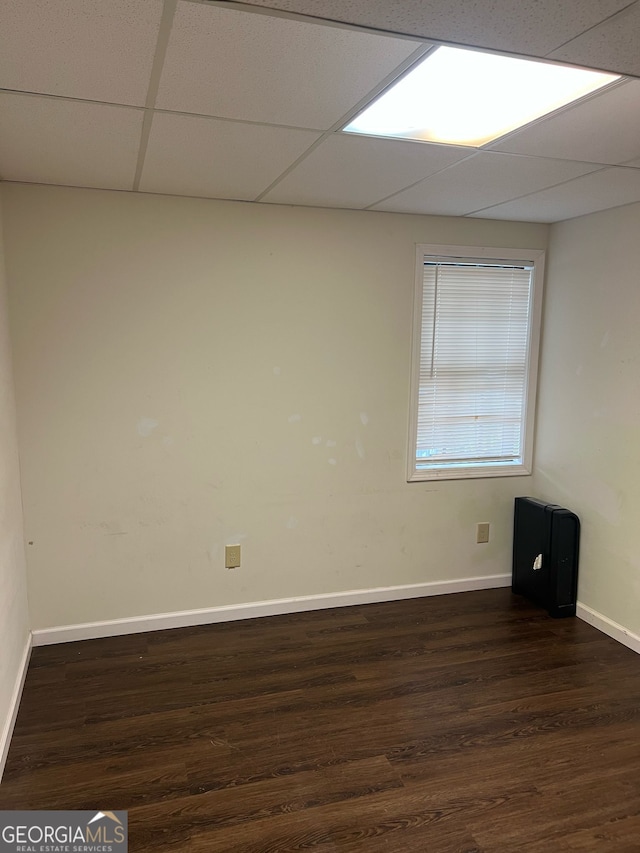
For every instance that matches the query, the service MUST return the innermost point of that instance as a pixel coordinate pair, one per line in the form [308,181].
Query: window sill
[469,473]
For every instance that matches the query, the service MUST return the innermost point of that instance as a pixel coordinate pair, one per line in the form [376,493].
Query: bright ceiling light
[466,97]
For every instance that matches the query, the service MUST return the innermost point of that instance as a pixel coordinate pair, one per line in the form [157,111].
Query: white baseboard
[608,626]
[7,731]
[255,609]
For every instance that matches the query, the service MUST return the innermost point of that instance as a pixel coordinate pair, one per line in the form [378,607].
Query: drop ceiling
[246,101]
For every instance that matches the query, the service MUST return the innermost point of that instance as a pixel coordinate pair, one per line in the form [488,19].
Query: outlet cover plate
[482,533]
[231,556]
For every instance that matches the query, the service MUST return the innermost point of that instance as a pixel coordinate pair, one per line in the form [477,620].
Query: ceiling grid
[246,101]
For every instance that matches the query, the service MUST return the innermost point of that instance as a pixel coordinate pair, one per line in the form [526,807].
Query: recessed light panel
[466,97]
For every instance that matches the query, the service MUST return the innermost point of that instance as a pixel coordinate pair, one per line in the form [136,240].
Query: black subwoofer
[546,540]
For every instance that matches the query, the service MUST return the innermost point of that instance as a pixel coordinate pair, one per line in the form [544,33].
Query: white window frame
[536,258]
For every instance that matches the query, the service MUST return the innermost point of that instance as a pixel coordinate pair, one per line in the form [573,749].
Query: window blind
[473,363]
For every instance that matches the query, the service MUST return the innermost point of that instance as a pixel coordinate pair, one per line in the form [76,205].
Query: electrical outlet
[231,556]
[482,532]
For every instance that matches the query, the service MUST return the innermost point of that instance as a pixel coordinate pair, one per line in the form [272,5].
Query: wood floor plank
[468,723]
[381,816]
[231,808]
[124,787]
[620,835]
[552,816]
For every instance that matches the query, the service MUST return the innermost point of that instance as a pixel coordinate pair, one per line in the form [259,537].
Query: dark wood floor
[465,723]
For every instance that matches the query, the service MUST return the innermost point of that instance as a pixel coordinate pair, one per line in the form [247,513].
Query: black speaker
[546,540]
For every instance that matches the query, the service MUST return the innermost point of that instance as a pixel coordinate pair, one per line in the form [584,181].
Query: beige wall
[192,373]
[14,620]
[588,447]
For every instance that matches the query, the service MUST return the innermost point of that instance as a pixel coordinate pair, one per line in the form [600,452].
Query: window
[475,354]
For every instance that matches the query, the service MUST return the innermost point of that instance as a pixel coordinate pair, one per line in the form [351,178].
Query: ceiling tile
[612,45]
[249,66]
[53,141]
[530,28]
[598,191]
[483,180]
[602,129]
[350,171]
[194,156]
[79,48]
